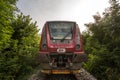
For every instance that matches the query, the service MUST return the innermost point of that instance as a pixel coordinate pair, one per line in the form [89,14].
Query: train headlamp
[77,46]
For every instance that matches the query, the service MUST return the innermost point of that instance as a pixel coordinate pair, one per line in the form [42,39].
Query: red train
[61,45]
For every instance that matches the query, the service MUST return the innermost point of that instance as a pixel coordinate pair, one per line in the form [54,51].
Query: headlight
[77,46]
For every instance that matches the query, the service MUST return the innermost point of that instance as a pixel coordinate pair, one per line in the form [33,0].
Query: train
[61,47]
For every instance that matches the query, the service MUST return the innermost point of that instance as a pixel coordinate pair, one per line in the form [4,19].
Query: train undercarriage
[67,63]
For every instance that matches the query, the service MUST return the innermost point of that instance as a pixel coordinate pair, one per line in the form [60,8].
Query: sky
[80,11]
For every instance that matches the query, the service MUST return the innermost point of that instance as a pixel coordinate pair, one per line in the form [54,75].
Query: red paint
[52,48]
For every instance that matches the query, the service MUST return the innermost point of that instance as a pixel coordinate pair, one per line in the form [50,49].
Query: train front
[61,45]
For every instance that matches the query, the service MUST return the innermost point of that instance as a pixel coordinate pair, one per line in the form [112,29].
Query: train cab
[61,44]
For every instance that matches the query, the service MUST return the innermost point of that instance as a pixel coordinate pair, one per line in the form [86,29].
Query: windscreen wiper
[66,36]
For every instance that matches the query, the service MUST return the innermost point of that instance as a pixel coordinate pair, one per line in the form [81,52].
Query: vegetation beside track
[19,41]
[102,43]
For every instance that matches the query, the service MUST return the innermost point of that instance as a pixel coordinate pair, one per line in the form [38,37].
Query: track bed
[83,75]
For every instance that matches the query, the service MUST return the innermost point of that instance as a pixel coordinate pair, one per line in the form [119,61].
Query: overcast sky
[80,11]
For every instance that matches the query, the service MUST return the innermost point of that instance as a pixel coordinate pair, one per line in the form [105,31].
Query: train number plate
[61,50]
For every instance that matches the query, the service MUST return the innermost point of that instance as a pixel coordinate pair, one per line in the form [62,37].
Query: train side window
[44,35]
[77,35]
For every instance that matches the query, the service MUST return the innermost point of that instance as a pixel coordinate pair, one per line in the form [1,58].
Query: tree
[27,40]
[103,44]
[19,41]
[7,9]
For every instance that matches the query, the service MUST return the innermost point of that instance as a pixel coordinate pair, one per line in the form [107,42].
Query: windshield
[61,30]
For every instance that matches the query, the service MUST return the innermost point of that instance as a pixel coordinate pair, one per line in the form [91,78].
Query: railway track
[83,75]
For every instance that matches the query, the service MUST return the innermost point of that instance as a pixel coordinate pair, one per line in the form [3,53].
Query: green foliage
[19,41]
[6,14]
[7,60]
[26,35]
[102,44]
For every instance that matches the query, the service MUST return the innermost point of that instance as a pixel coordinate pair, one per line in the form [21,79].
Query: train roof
[60,21]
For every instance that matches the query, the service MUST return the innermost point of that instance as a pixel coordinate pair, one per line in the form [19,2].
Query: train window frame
[72,30]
